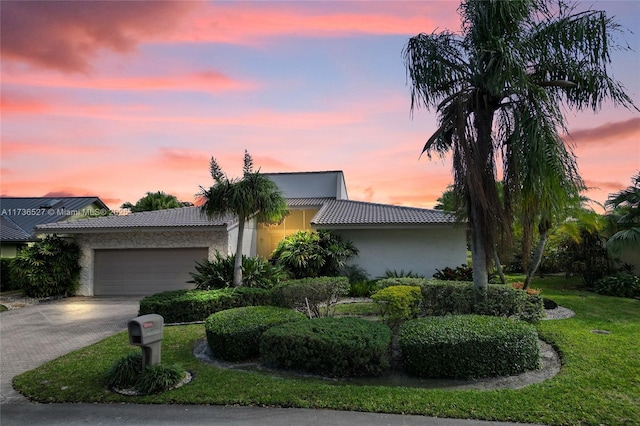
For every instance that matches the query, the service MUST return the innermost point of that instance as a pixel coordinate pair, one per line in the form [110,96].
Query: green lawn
[599,382]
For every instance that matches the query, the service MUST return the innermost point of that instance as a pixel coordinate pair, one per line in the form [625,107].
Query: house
[20,216]
[149,252]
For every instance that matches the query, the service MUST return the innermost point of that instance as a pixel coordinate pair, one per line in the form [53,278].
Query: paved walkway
[36,334]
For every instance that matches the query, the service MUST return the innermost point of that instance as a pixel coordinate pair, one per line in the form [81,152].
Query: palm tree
[154,201]
[252,196]
[498,88]
[625,217]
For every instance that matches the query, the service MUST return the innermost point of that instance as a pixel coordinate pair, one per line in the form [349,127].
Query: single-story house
[20,216]
[148,252]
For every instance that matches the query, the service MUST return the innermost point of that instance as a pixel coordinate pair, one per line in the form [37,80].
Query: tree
[155,201]
[625,217]
[252,196]
[499,88]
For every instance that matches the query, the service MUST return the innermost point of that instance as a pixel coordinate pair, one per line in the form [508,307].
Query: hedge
[316,297]
[334,347]
[197,305]
[468,346]
[457,298]
[234,334]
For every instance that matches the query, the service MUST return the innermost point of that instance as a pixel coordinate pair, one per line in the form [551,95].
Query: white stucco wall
[249,245]
[214,240]
[419,250]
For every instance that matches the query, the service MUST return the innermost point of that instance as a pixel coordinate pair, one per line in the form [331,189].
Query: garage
[120,272]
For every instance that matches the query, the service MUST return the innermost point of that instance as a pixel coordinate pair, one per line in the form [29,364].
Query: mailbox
[146,331]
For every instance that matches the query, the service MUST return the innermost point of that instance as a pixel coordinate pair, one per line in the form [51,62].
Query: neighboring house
[21,215]
[148,252]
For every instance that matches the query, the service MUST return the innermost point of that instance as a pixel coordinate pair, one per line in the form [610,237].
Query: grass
[599,382]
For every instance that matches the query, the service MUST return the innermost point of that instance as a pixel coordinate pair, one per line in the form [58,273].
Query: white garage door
[143,271]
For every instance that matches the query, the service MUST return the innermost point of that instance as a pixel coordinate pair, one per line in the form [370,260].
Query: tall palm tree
[498,88]
[252,196]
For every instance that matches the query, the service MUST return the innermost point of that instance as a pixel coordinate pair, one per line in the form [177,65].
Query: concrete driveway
[33,335]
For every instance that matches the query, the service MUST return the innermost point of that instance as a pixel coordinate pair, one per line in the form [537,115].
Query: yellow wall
[270,235]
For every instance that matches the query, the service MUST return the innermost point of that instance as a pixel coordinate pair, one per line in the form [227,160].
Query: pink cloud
[607,133]
[204,81]
[251,23]
[66,36]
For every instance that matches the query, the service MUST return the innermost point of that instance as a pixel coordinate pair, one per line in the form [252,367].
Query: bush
[7,283]
[335,347]
[468,346]
[218,273]
[362,288]
[159,378]
[457,298]
[234,334]
[461,273]
[620,285]
[124,373]
[410,281]
[198,305]
[402,274]
[313,254]
[48,268]
[398,304]
[316,297]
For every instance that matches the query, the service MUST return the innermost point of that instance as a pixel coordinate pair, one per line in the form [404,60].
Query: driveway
[35,334]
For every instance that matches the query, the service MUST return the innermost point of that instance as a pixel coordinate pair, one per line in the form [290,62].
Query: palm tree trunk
[237,263]
[537,255]
[479,260]
[496,260]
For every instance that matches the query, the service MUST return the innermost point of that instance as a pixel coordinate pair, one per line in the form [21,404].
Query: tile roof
[307,202]
[346,212]
[28,212]
[188,217]
[10,231]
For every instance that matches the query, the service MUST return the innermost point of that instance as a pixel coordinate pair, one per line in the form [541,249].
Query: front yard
[599,382]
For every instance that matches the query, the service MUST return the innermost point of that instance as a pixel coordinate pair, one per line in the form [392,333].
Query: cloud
[607,133]
[66,36]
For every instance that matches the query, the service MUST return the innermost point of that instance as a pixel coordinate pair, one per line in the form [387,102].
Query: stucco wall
[212,239]
[420,250]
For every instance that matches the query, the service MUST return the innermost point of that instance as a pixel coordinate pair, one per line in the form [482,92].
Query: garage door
[143,271]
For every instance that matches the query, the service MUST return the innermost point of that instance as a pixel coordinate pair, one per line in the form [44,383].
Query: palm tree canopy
[499,88]
[625,217]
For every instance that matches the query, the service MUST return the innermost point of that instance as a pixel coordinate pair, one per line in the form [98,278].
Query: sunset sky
[115,99]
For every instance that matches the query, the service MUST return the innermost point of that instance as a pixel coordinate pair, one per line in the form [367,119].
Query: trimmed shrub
[234,334]
[456,298]
[410,281]
[334,347]
[398,303]
[198,305]
[159,378]
[48,268]
[468,346]
[316,297]
[620,285]
[362,288]
[124,373]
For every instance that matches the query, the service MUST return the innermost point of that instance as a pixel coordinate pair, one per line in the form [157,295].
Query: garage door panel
[143,271]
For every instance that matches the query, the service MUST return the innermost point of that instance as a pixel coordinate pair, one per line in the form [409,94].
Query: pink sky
[115,99]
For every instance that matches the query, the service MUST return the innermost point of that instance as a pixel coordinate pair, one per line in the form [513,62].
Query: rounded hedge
[196,305]
[234,334]
[334,347]
[468,346]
